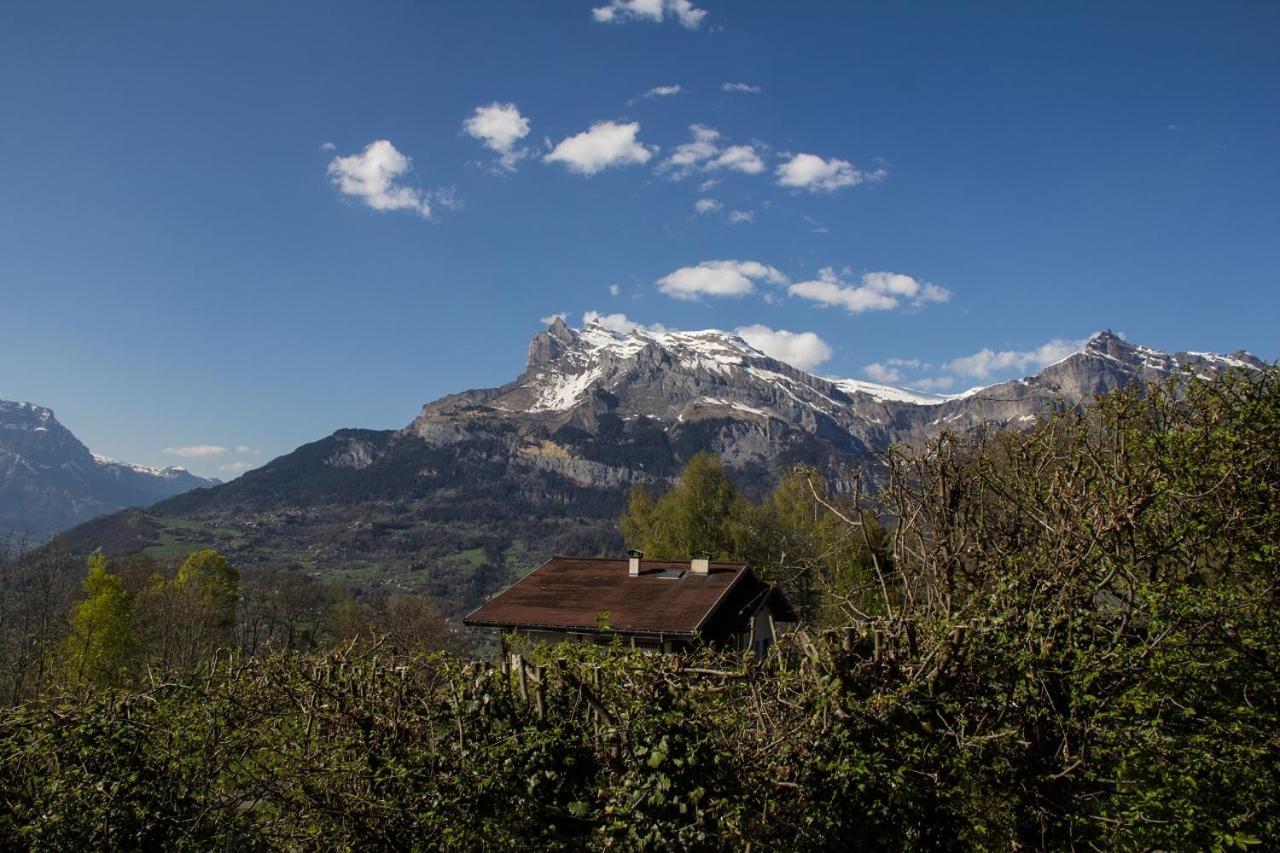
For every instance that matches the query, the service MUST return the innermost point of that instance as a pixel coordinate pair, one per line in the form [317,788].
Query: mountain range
[487,481]
[50,481]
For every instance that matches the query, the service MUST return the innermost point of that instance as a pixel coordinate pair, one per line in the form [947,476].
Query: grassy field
[179,537]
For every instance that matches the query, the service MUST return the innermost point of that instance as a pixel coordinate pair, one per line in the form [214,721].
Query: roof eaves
[579,629]
[715,605]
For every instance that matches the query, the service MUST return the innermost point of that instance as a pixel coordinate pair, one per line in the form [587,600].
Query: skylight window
[672,574]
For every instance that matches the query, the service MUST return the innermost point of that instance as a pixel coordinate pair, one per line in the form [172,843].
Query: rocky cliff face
[49,480]
[595,411]
[587,394]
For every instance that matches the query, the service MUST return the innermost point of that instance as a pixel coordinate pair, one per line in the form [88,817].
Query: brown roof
[567,593]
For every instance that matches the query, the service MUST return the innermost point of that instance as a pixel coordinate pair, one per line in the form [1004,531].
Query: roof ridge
[624,559]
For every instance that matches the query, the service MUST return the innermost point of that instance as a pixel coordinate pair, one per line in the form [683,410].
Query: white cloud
[663,91]
[877,291]
[614,290]
[880,372]
[707,205]
[936,383]
[985,365]
[706,154]
[197,451]
[235,469]
[623,11]
[373,177]
[328,146]
[446,197]
[811,172]
[737,217]
[890,370]
[986,362]
[816,226]
[551,318]
[618,323]
[247,450]
[804,350]
[500,127]
[606,144]
[718,278]
[739,158]
[742,88]
[692,154]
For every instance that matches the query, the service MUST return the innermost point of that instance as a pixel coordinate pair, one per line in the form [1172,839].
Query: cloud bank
[986,362]
[984,365]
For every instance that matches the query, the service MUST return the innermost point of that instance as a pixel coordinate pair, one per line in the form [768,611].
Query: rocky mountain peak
[547,346]
[1107,342]
[18,412]
[674,376]
[49,480]
[548,458]
[34,433]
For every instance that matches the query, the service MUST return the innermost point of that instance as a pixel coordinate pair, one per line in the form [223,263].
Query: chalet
[659,605]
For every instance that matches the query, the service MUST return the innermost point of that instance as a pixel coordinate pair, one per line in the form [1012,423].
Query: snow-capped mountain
[752,409]
[543,464]
[50,481]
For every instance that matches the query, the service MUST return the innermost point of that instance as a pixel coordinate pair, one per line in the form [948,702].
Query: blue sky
[180,265]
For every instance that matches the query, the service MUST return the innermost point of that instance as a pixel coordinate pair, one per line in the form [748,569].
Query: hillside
[487,482]
[1075,649]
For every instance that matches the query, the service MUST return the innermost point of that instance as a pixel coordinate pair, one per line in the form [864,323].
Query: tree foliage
[102,642]
[702,512]
[796,537]
[214,581]
[803,541]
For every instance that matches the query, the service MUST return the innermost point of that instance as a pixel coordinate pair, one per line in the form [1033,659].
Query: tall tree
[183,619]
[702,512]
[215,581]
[102,642]
[36,592]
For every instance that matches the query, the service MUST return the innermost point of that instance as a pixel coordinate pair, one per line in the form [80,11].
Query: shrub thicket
[1063,637]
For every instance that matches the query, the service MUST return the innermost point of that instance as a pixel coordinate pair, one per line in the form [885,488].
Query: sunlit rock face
[595,391]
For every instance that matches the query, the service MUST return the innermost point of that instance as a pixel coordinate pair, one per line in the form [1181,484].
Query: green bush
[1065,639]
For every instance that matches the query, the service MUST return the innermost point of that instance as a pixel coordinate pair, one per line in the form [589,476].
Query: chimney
[701,563]
[633,563]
